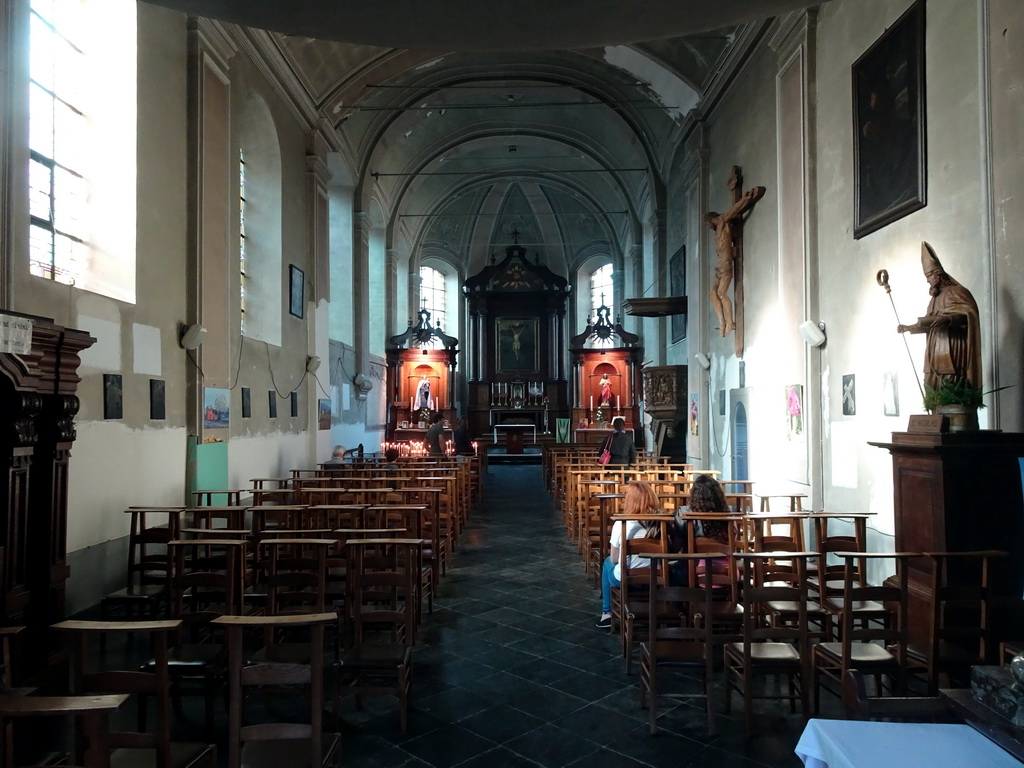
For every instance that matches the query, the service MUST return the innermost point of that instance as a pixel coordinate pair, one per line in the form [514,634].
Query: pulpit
[38,382]
[961,491]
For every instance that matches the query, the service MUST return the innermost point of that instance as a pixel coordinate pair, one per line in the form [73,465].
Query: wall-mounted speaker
[192,336]
[312,364]
[702,360]
[813,333]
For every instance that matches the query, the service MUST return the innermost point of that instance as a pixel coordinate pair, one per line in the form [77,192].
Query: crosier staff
[883,280]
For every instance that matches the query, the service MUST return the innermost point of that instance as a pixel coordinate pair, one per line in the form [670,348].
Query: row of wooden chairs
[685,626]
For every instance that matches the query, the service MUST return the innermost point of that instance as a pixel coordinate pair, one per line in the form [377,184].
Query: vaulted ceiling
[462,121]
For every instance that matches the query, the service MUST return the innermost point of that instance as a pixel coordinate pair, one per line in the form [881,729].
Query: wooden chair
[867,646]
[857,705]
[685,647]
[138,748]
[770,647]
[380,608]
[146,594]
[959,632]
[275,744]
[207,582]
[92,711]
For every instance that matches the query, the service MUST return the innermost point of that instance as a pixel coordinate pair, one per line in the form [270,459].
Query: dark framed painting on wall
[889,147]
[246,403]
[157,399]
[517,345]
[296,290]
[113,403]
[677,285]
[272,404]
[293,400]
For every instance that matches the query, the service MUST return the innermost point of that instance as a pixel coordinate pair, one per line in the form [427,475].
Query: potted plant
[956,399]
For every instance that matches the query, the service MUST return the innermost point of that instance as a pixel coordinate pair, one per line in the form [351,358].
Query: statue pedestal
[957,492]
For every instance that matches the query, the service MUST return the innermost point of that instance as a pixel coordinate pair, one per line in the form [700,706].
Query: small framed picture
[296,290]
[246,403]
[157,399]
[113,403]
[294,398]
[272,404]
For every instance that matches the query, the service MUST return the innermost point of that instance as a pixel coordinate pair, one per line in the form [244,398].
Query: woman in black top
[622,447]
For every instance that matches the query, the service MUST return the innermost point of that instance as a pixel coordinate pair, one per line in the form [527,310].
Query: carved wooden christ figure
[728,229]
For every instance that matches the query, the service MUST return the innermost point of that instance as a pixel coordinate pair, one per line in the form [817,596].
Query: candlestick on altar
[618,407]
[591,402]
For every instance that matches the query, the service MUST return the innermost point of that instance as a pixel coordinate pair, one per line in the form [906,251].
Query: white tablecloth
[856,744]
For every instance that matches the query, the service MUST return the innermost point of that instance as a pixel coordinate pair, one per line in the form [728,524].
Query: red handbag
[606,453]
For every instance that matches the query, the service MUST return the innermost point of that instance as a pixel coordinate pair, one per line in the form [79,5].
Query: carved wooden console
[38,404]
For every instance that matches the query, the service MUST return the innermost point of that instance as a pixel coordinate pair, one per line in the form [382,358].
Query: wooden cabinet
[956,492]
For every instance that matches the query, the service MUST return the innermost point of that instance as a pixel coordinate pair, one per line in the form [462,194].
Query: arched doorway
[740,468]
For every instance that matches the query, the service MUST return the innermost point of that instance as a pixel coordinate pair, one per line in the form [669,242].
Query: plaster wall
[1005,34]
[742,132]
[861,325]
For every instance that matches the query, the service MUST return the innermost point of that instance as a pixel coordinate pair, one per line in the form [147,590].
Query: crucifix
[728,229]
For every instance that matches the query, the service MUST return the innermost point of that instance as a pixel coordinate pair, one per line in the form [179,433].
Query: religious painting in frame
[517,345]
[677,286]
[296,290]
[889,147]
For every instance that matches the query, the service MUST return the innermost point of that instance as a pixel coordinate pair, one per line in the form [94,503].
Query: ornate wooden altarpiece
[516,363]
[38,403]
[421,378]
[606,378]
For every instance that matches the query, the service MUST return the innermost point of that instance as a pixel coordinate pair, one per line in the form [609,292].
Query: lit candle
[618,407]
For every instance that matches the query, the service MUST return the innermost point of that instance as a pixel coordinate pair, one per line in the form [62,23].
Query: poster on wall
[324,413]
[694,429]
[517,345]
[849,394]
[216,409]
[794,410]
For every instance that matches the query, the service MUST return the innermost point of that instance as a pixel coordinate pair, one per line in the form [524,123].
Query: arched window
[434,295]
[82,104]
[601,292]
[243,278]
[259,191]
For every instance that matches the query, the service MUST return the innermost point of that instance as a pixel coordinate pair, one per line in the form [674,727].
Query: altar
[594,436]
[515,435]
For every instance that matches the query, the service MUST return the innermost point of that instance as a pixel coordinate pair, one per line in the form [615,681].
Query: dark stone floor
[510,670]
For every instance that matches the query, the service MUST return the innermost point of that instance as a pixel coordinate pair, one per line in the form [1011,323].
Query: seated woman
[641,499]
[706,498]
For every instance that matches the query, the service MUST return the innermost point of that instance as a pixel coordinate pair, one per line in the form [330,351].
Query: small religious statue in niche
[423,394]
[728,229]
[605,395]
[953,327]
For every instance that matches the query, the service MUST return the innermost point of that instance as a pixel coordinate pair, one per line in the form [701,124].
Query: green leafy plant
[956,392]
